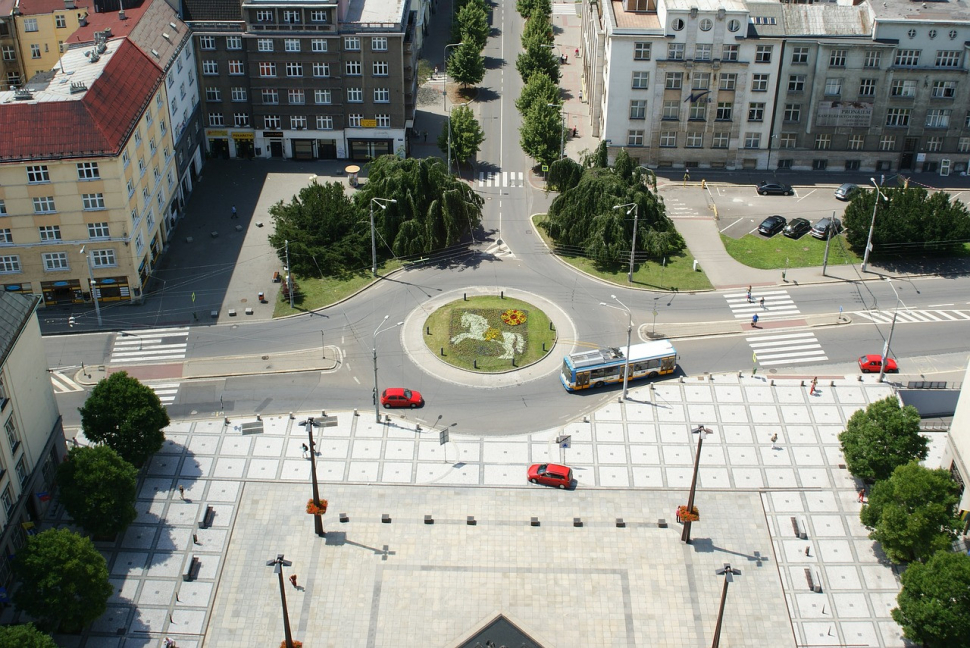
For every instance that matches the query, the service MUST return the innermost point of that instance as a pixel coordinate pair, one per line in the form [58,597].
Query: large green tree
[541,133]
[63,580]
[537,58]
[466,134]
[880,438]
[327,232]
[471,25]
[24,636]
[538,90]
[466,65]
[528,8]
[913,513]
[934,603]
[538,30]
[98,489]
[126,416]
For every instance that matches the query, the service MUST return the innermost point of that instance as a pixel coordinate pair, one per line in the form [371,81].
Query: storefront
[218,143]
[67,291]
[271,145]
[245,144]
[22,288]
[327,149]
[362,150]
[110,289]
[302,149]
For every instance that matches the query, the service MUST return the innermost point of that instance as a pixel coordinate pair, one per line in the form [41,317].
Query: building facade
[42,28]
[11,66]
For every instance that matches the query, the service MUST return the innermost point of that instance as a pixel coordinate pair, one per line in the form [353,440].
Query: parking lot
[740,209]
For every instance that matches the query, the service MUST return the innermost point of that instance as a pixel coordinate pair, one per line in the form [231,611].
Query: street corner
[90,375]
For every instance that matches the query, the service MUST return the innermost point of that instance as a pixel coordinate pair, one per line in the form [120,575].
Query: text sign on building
[368,123]
[853,114]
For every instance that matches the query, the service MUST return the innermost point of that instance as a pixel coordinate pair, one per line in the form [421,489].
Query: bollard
[502,294]
[355,412]
[259,418]
[226,421]
[475,361]
[291,415]
[543,346]
[551,327]
[442,351]
[513,362]
[427,330]
[464,296]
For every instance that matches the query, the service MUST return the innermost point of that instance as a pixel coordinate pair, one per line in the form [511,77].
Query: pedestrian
[754,320]
[425,136]
[305,449]
[182,492]
[293,580]
[749,294]
[436,70]
[170,643]
[862,495]
[762,302]
[814,385]
[774,441]
[234,214]
[577,52]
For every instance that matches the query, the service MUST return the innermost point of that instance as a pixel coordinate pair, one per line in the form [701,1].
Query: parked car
[772,225]
[797,228]
[827,228]
[847,191]
[873,363]
[775,188]
[401,397]
[551,475]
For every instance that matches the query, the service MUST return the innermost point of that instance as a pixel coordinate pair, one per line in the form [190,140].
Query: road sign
[193,297]
[565,441]
[545,167]
[443,437]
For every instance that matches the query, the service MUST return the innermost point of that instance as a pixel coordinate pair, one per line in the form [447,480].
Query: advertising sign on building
[854,114]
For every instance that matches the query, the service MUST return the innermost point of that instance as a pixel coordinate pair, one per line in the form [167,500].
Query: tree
[24,636]
[64,580]
[541,133]
[881,437]
[934,603]
[528,8]
[466,134]
[538,90]
[466,65]
[564,174]
[126,416]
[328,234]
[912,514]
[537,58]
[98,489]
[471,25]
[538,30]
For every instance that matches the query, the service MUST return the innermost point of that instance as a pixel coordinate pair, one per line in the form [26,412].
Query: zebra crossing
[786,348]
[912,316]
[778,305]
[564,9]
[149,346]
[63,384]
[501,179]
[166,392]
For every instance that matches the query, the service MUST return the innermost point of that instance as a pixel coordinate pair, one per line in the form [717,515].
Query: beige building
[11,70]
[42,27]
[956,456]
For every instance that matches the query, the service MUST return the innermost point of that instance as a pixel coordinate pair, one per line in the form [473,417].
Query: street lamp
[562,132]
[317,519]
[633,207]
[373,241]
[377,411]
[445,100]
[872,225]
[629,336]
[728,572]
[278,564]
[701,433]
[93,286]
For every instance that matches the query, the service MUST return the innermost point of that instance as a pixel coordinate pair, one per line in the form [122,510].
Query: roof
[94,122]
[6,8]
[155,25]
[41,7]
[15,311]
[108,20]
[230,10]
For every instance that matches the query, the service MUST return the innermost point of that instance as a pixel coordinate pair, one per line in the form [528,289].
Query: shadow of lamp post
[728,574]
[701,433]
[377,400]
[278,564]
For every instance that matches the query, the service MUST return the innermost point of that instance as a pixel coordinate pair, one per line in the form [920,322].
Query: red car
[401,397]
[873,363]
[551,475]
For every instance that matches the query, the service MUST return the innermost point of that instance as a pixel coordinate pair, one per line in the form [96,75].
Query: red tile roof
[99,21]
[39,7]
[97,124]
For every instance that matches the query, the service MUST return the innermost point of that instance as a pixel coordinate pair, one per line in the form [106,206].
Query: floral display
[313,509]
[514,317]
[684,516]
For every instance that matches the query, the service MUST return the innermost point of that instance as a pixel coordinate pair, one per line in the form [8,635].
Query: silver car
[846,191]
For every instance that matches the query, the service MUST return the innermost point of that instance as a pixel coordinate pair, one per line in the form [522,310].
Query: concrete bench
[206,517]
[191,570]
[253,427]
[797,528]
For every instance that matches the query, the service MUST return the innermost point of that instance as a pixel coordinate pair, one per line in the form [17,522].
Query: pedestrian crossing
[149,346]
[564,9]
[501,179]
[786,348]
[63,384]
[912,316]
[166,392]
[778,304]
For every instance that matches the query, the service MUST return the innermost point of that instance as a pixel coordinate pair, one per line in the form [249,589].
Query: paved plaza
[565,582]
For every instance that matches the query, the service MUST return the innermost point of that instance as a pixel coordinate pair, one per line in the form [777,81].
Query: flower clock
[513,317]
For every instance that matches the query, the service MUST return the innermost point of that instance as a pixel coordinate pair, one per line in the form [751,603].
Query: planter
[313,509]
[684,516]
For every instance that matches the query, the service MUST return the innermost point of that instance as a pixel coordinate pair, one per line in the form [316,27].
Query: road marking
[166,392]
[149,346]
[778,305]
[732,224]
[787,348]
[513,179]
[915,316]
[62,384]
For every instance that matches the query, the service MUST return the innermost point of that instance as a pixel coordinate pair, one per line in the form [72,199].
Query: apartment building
[11,67]
[42,27]
[32,443]
[306,79]
[772,85]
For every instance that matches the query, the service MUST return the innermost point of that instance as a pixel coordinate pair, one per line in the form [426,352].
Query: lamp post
[562,132]
[445,100]
[317,519]
[633,207]
[278,564]
[872,225]
[728,572]
[701,433]
[629,337]
[373,241]
[377,411]
[889,339]
[93,286]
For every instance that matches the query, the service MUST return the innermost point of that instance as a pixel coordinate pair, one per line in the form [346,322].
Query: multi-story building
[32,443]
[11,67]
[306,78]
[956,453]
[42,27]
[762,85]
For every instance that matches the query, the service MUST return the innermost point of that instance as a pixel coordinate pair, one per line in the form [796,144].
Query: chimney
[69,4]
[121,14]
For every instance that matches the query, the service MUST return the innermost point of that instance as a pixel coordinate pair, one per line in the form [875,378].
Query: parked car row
[845,192]
[798,227]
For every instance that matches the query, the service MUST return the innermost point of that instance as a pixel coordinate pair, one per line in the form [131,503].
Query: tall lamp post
[317,519]
[93,286]
[377,404]
[562,131]
[889,339]
[629,337]
[444,86]
[872,225]
[278,564]
[633,207]
[373,240]
[728,572]
[701,433]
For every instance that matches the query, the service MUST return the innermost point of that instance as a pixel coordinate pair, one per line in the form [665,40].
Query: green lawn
[317,293]
[779,251]
[678,275]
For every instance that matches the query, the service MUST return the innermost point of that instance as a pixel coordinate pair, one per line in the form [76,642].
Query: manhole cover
[265,358]
[243,300]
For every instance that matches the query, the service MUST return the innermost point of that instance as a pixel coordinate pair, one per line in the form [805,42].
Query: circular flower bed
[514,317]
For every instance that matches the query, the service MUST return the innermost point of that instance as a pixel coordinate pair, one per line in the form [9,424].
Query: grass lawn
[445,323]
[679,275]
[317,293]
[755,251]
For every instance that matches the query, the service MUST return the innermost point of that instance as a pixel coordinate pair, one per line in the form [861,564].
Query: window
[30,24]
[762,54]
[139,243]
[382,95]
[355,95]
[6,237]
[210,68]
[103,258]
[668,139]
[318,16]
[823,142]
[44,205]
[352,68]
[352,43]
[857,142]
[641,51]
[799,55]
[240,120]
[833,87]
[232,43]
[674,80]
[788,140]
[756,112]
[820,165]
[264,15]
[60,21]
[697,111]
[3,208]
[9,53]
[671,109]
[13,78]
[641,80]
[948,59]
[796,83]
[38,174]
[216,119]
[752,140]
[734,25]
[837,58]
[897,117]
[934,144]
[727,81]
[944,89]
[9,264]
[238,94]
[380,68]
[291,44]
[264,44]
[267,69]
[54,261]
[867,87]
[35,51]
[98,230]
[872,59]
[213,94]
[937,118]
[907,58]
[675,51]
[271,96]
[324,122]
[963,145]
[730,52]
[131,188]
[383,121]
[966,120]
[207,42]
[291,16]
[141,167]
[22,472]
[694,140]
[903,88]
[88,171]
[638,109]
[724,111]
[720,140]
[321,69]
[271,121]
[13,437]
[634,138]
[701,80]
[353,120]
[793,112]
[702,52]
[92,201]
[322,96]
[378,43]
[759,82]
[7,498]
[137,138]
[318,45]
[236,68]
[706,24]
[295,96]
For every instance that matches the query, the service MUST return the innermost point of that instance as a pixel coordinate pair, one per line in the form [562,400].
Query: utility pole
[828,239]
[93,286]
[289,273]
[636,214]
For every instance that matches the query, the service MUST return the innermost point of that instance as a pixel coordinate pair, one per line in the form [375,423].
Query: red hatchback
[873,363]
[401,397]
[551,475]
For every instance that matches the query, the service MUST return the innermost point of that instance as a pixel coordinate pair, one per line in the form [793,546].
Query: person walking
[234,214]
[749,294]
[762,302]
[754,320]
[774,441]
[182,492]
[862,496]
[305,449]
[811,392]
[293,581]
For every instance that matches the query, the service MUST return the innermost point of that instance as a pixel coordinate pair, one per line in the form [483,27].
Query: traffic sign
[443,437]
[565,441]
